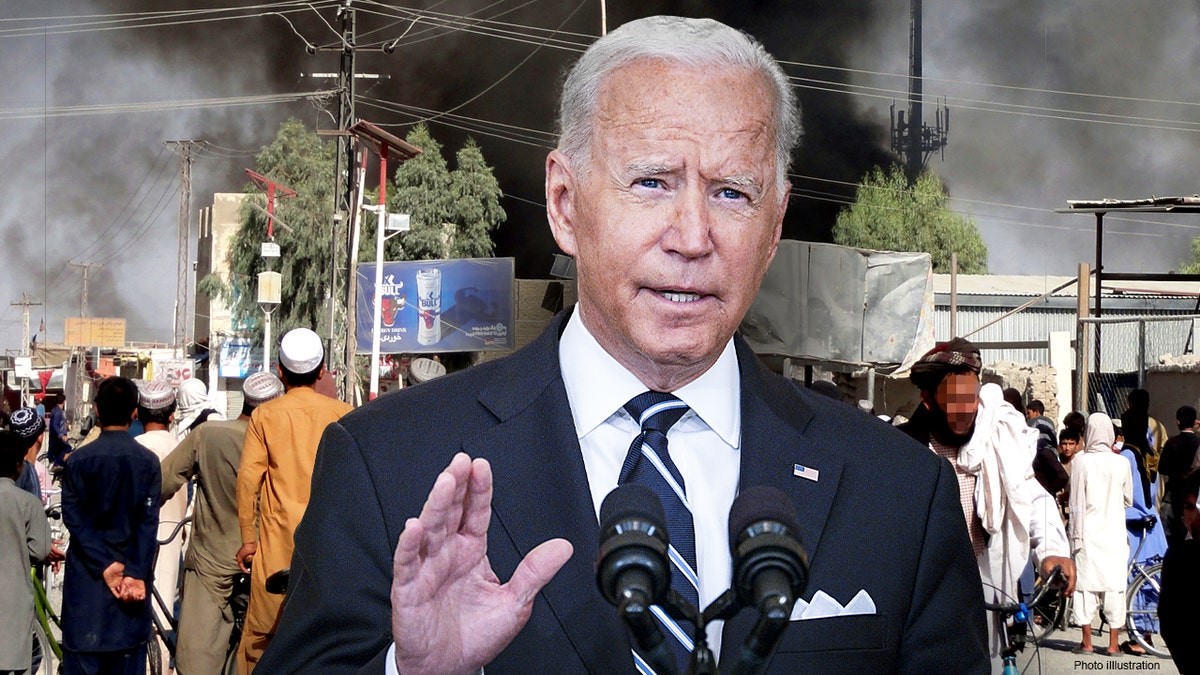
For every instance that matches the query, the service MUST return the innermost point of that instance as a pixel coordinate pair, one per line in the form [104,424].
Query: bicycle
[1017,620]
[47,651]
[1141,597]
[166,633]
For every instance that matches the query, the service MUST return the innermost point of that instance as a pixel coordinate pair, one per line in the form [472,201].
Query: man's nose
[690,231]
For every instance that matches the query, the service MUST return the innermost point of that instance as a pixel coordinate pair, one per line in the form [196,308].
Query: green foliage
[1193,266]
[890,216]
[451,213]
[300,160]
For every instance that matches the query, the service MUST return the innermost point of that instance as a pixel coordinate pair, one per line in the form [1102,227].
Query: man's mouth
[677,296]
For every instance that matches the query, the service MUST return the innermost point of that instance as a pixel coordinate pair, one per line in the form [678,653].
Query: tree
[889,215]
[451,213]
[1193,266]
[300,160]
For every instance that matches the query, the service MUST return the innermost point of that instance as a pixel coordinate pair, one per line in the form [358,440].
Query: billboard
[438,306]
[239,358]
[94,332]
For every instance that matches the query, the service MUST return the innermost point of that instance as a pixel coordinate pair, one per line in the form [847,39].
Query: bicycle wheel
[43,654]
[1141,617]
[153,655]
[1044,617]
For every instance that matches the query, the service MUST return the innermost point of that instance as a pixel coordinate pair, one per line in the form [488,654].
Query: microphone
[632,570]
[770,569]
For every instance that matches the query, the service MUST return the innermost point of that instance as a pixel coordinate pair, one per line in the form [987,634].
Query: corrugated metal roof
[1033,286]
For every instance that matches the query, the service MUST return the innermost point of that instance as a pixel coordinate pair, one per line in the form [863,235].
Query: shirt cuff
[390,666]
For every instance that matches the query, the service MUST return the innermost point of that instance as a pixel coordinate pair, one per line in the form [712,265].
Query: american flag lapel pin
[805,472]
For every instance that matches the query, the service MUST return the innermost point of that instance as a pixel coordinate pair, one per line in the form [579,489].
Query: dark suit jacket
[884,516]
[110,505]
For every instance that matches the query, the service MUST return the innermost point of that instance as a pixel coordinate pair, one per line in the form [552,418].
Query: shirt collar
[598,386]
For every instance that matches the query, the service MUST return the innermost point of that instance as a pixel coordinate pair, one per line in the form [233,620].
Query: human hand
[245,553]
[1068,571]
[450,613]
[133,590]
[57,556]
[113,574]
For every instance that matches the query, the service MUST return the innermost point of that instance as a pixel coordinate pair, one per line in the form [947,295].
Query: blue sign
[438,306]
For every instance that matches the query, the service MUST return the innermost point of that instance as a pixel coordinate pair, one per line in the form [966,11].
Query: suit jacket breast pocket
[834,633]
[836,644]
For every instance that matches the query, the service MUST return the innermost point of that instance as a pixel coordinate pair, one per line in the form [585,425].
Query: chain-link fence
[1114,353]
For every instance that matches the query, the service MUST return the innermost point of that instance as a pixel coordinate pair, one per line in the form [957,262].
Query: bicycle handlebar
[175,532]
[1013,608]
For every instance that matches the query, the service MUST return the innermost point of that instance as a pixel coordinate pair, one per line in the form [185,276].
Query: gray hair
[689,42]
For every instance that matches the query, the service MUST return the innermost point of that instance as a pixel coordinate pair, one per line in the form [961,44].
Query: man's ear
[561,195]
[928,400]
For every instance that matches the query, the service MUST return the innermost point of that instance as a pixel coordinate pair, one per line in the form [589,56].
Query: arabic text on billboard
[438,306]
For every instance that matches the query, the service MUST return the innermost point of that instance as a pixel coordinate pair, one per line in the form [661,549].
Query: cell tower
[911,137]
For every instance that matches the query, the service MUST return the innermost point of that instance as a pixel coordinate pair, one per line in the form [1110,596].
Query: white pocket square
[823,606]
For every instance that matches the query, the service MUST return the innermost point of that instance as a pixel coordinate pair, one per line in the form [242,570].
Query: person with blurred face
[1009,515]
[669,187]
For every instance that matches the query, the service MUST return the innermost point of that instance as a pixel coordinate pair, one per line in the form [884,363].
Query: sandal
[1080,649]
[1131,647]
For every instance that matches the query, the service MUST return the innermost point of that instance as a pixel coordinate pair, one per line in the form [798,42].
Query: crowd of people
[123,494]
[454,527]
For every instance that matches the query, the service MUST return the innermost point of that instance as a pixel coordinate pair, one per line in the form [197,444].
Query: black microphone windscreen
[760,503]
[631,500]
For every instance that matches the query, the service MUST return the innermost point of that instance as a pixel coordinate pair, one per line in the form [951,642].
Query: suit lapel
[541,490]
[776,438]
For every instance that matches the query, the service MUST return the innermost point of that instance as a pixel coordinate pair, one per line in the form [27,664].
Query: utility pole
[25,303]
[912,138]
[184,148]
[83,294]
[341,254]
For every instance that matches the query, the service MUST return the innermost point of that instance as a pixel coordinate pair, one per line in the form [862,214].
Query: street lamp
[382,142]
[269,296]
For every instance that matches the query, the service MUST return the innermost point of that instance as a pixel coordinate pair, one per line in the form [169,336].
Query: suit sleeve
[179,466]
[251,472]
[140,558]
[946,629]
[343,550]
[88,547]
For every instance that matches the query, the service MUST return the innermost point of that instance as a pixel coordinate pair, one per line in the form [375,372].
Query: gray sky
[103,188]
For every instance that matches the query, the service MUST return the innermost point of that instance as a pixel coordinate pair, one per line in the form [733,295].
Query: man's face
[676,217]
[1067,447]
[958,398]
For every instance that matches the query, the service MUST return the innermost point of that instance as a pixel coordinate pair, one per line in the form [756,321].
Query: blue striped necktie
[648,463]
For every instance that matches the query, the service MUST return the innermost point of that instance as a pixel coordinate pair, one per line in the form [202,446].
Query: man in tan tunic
[211,454]
[274,480]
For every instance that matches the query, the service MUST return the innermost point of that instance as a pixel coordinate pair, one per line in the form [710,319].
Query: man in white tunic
[156,406]
[1101,488]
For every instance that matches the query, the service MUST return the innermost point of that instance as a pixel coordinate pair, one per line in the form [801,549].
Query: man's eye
[730,193]
[652,183]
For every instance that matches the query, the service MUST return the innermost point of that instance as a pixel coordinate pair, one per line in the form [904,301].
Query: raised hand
[450,613]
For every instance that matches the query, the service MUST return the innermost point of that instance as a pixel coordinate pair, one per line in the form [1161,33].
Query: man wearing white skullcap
[211,454]
[274,479]
[156,408]
[30,428]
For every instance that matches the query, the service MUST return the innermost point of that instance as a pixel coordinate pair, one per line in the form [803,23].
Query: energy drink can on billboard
[429,306]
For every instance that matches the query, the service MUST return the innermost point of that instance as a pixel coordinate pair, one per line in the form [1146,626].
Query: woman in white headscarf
[193,407]
[1101,488]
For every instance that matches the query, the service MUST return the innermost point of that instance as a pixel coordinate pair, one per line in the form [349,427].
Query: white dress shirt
[704,443]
